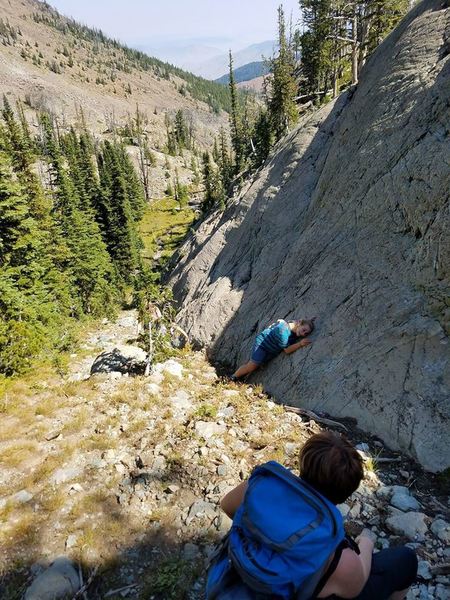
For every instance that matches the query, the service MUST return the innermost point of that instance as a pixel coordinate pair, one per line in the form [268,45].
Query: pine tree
[135,191]
[263,137]
[282,107]
[172,146]
[235,122]
[181,130]
[117,214]
[316,46]
[88,262]
[339,36]
[214,195]
[30,289]
[224,160]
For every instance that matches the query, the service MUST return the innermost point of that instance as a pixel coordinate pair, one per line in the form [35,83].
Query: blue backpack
[281,540]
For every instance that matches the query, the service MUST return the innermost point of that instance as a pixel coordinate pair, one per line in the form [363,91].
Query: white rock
[181,401]
[22,497]
[128,321]
[410,524]
[442,529]
[169,366]
[71,541]
[442,592]
[156,377]
[201,509]
[153,389]
[65,474]
[424,570]
[291,449]
[226,412]
[404,501]
[230,393]
[344,509]
[208,429]
[76,487]
[73,377]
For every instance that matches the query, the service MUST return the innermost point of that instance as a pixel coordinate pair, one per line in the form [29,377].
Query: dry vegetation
[69,445]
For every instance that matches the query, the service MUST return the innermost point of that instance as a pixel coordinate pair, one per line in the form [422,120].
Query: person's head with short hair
[331,465]
[303,327]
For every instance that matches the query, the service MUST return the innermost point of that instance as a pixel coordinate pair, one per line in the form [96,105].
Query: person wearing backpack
[287,541]
[282,336]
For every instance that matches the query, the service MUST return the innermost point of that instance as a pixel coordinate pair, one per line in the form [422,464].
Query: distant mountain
[245,73]
[215,67]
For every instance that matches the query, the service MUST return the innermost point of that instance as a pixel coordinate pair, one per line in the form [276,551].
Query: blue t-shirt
[276,338]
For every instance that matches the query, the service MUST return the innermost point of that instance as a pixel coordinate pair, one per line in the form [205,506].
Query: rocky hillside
[119,478]
[55,64]
[348,221]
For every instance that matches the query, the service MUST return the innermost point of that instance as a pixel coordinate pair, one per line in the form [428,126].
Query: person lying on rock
[282,336]
[288,542]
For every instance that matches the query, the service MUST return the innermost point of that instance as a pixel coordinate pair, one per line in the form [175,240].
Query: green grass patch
[170,580]
[166,223]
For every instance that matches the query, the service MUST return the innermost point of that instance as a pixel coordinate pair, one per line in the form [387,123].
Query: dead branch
[309,413]
[83,589]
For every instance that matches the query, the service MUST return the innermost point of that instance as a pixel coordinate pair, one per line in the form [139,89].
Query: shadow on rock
[123,359]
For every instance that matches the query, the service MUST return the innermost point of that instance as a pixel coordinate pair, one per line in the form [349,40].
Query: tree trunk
[355,49]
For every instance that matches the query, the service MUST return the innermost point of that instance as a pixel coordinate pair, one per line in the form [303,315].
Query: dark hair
[331,465]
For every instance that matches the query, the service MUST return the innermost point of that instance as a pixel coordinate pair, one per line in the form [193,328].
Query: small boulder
[122,359]
[424,570]
[207,429]
[410,524]
[22,497]
[404,501]
[172,367]
[153,389]
[65,474]
[202,510]
[58,581]
[181,401]
[441,529]
[128,321]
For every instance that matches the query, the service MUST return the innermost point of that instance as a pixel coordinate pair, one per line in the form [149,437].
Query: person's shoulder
[281,329]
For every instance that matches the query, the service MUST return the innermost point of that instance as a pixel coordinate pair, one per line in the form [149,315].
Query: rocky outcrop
[349,221]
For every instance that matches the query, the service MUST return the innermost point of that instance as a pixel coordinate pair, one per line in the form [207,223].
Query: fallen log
[312,415]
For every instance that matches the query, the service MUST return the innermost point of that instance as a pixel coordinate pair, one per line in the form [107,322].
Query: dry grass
[17,453]
[20,530]
[77,422]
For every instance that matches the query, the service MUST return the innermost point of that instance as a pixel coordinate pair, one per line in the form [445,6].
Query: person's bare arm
[231,502]
[366,543]
[293,347]
[352,572]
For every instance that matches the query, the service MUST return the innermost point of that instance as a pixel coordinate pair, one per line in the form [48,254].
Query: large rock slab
[349,221]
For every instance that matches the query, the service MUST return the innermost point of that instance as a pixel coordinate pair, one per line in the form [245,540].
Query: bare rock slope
[349,221]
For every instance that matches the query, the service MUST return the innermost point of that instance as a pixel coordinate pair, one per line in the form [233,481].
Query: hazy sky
[220,23]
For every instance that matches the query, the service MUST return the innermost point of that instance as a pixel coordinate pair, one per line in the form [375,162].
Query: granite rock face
[348,221]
